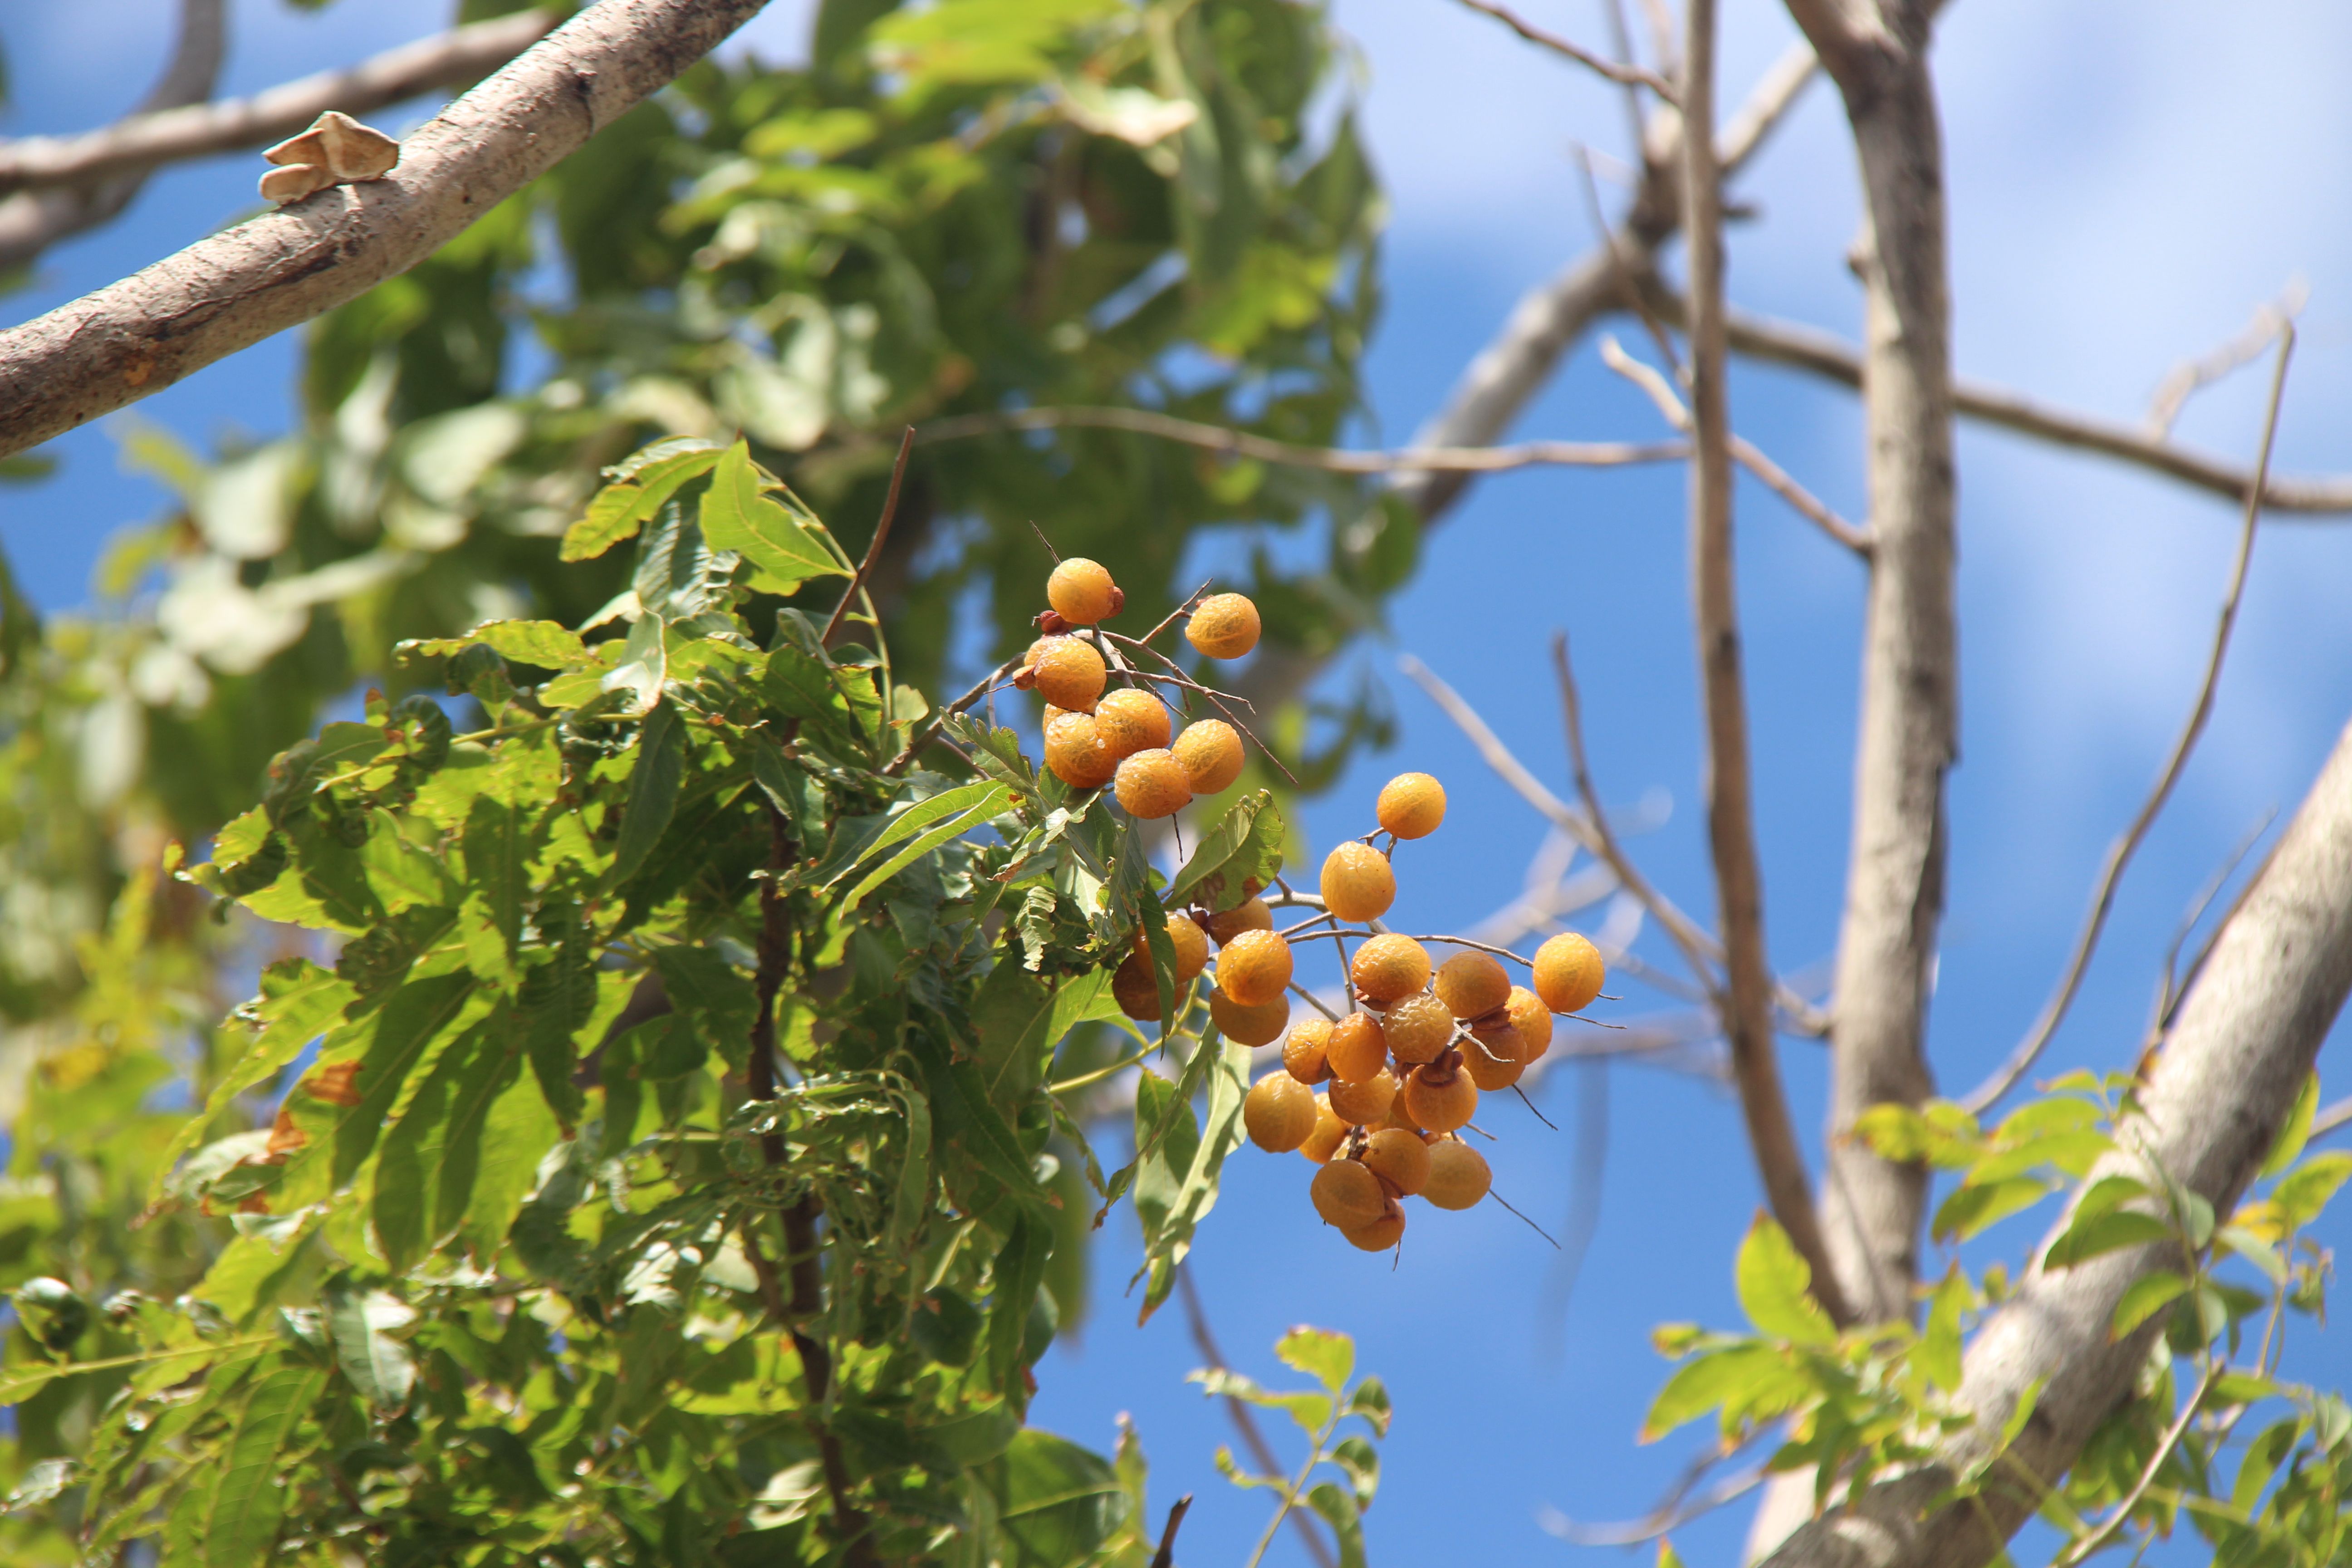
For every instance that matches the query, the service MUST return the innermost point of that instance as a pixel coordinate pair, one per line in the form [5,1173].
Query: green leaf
[1775,1286]
[618,510]
[542,643]
[993,800]
[1019,1271]
[1370,1401]
[1243,845]
[298,1001]
[1937,1354]
[1338,1509]
[245,1497]
[424,1175]
[1056,1502]
[2303,1192]
[2263,1457]
[1971,1210]
[2105,1233]
[2147,1295]
[362,1324]
[1018,1018]
[2296,1131]
[1196,1193]
[1362,1462]
[1738,1377]
[1327,1357]
[2073,1152]
[332,1118]
[653,786]
[736,516]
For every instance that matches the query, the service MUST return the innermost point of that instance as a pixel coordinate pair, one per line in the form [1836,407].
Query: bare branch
[2186,379]
[136,337]
[1744,451]
[1631,75]
[1244,1419]
[31,223]
[1806,348]
[2211,1104]
[2119,854]
[1329,459]
[1746,1001]
[139,144]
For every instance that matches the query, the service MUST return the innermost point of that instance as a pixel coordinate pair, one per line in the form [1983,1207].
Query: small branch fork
[874,546]
[2022,1059]
[1630,75]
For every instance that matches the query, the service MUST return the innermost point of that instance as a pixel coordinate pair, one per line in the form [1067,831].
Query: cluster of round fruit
[1122,737]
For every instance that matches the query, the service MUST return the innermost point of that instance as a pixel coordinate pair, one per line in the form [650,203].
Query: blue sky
[2128,182]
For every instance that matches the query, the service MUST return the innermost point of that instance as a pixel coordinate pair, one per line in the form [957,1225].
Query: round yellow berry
[1074,757]
[1280,1112]
[1458,1176]
[1250,1025]
[1379,1235]
[1346,1194]
[1081,592]
[1070,673]
[1210,751]
[1130,721]
[1418,1027]
[1357,1049]
[1329,1134]
[1306,1053]
[1358,883]
[1223,626]
[1152,785]
[1491,1057]
[1399,1158]
[1569,972]
[1364,1104]
[1388,968]
[1412,805]
[1440,1098]
[1532,1019]
[1251,914]
[1255,968]
[1472,984]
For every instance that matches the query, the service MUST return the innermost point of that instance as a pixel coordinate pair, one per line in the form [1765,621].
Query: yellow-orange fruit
[1410,806]
[1458,1176]
[1329,1134]
[1304,1052]
[1280,1112]
[1073,754]
[1399,1158]
[1081,592]
[1491,1057]
[1055,716]
[1250,915]
[1358,1048]
[1251,1025]
[1532,1019]
[1223,626]
[1255,968]
[1400,1115]
[1569,972]
[1440,1098]
[1130,721]
[1135,989]
[1347,1193]
[1470,984]
[1210,751]
[1152,785]
[1191,942]
[1389,967]
[1358,884]
[1364,1104]
[1381,1235]
[1418,1027]
[1070,673]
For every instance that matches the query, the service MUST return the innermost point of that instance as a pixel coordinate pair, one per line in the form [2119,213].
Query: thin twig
[1245,1420]
[2120,853]
[1523,1219]
[1730,811]
[1480,946]
[2169,990]
[1694,945]
[1663,1522]
[1166,1556]
[874,545]
[2186,379]
[2121,1513]
[1183,608]
[2328,1118]
[1216,699]
[1749,456]
[1631,75]
[1330,459]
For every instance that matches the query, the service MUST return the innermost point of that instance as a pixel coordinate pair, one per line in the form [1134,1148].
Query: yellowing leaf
[1774,1286]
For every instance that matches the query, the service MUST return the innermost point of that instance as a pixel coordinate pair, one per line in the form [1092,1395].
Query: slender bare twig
[1330,459]
[1808,348]
[1664,1520]
[881,533]
[1245,1420]
[32,221]
[2121,1512]
[2119,854]
[134,338]
[2328,1118]
[1217,700]
[1745,452]
[139,142]
[1166,1556]
[1696,947]
[2169,984]
[1508,1204]
[1482,947]
[1631,75]
[980,687]
[2191,376]
[1730,814]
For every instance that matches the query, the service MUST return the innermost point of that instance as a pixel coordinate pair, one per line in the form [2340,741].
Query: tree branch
[1808,348]
[223,293]
[1631,75]
[2119,854]
[137,144]
[2213,1100]
[31,223]
[1329,459]
[1730,811]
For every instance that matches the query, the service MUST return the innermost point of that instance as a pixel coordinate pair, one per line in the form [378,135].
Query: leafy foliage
[1329,1358]
[660,1172]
